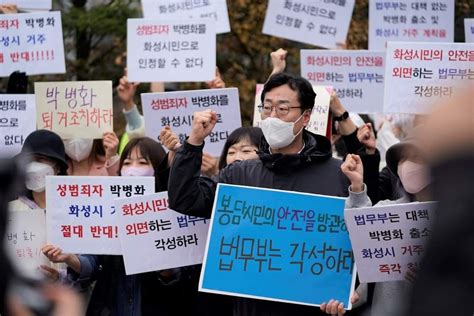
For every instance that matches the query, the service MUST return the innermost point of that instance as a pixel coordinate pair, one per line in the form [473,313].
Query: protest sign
[167,239]
[214,10]
[418,75]
[81,215]
[17,121]
[389,240]
[279,246]
[75,109]
[357,76]
[25,235]
[318,123]
[469,30]
[31,43]
[316,23]
[175,109]
[29,5]
[410,21]
[170,51]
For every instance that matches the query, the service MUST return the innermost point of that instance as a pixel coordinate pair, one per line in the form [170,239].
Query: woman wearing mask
[44,155]
[406,161]
[93,157]
[116,293]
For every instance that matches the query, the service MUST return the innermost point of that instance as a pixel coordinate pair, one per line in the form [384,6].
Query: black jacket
[312,171]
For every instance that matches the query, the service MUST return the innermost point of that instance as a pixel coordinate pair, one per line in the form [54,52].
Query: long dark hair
[253,134]
[154,152]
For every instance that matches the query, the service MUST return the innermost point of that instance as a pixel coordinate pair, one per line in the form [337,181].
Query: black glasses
[281,109]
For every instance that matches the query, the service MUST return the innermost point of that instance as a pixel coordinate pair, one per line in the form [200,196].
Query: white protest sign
[29,5]
[75,109]
[307,21]
[318,123]
[410,21]
[81,216]
[175,109]
[171,51]
[32,43]
[469,30]
[357,76]
[167,239]
[25,235]
[17,121]
[389,240]
[417,75]
[214,10]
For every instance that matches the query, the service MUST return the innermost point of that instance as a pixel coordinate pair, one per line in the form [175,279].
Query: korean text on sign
[170,50]
[357,76]
[263,238]
[410,21]
[322,23]
[175,109]
[31,42]
[389,241]
[81,214]
[17,121]
[75,109]
[167,239]
[418,75]
[213,10]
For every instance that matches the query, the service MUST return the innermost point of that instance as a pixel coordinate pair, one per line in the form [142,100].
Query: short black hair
[253,134]
[306,94]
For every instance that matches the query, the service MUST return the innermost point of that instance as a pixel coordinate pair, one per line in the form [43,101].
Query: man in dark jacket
[290,158]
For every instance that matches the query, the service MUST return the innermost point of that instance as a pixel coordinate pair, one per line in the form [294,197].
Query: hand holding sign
[353,169]
[111,142]
[203,124]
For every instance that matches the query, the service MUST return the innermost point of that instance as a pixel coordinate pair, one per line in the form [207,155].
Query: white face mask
[35,175]
[279,133]
[414,176]
[137,171]
[78,149]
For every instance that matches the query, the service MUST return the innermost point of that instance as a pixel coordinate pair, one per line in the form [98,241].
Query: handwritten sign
[75,109]
[29,5]
[319,117]
[410,21]
[81,216]
[469,30]
[417,75]
[317,23]
[32,43]
[167,239]
[170,51]
[357,76]
[261,239]
[17,121]
[25,235]
[214,10]
[390,240]
[175,109]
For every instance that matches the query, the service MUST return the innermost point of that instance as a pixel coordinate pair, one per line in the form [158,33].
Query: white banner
[187,10]
[167,239]
[418,75]
[357,76]
[176,109]
[308,21]
[469,30]
[410,21]
[25,235]
[81,215]
[319,117]
[390,240]
[75,109]
[170,51]
[32,43]
[17,121]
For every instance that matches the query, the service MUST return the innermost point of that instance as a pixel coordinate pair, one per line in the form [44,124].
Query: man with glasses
[290,158]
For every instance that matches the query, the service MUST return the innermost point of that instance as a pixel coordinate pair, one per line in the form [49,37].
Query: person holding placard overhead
[291,158]
[408,163]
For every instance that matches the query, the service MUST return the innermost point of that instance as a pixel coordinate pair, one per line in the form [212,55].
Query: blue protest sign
[278,245]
